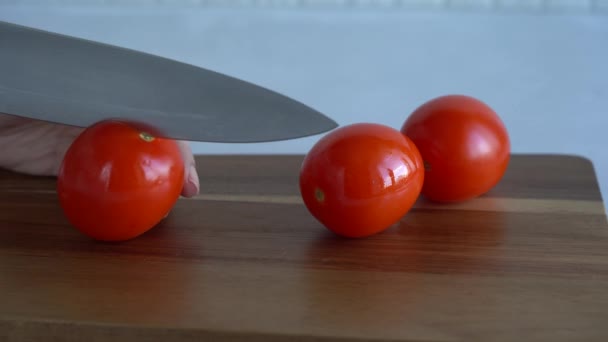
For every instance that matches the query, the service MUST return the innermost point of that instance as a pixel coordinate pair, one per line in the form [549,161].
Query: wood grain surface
[245,261]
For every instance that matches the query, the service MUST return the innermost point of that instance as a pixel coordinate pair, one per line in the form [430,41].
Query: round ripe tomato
[464,144]
[116,182]
[360,179]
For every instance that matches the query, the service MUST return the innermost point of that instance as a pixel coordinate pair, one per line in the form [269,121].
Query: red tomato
[464,144]
[117,182]
[360,179]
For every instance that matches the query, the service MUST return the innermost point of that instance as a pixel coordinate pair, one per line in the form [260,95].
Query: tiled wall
[588,6]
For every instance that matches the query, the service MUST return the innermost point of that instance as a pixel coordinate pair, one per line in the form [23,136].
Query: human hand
[37,148]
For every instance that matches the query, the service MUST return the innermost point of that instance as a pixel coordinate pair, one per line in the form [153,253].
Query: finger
[9,121]
[36,147]
[191,181]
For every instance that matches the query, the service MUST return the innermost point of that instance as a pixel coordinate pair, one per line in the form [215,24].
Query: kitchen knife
[74,81]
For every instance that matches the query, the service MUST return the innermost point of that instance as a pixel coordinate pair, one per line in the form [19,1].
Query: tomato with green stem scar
[360,179]
[117,181]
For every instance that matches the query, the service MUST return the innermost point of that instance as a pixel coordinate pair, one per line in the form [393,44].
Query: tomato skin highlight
[464,144]
[360,179]
[117,182]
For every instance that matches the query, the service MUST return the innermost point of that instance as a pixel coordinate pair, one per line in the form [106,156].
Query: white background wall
[541,64]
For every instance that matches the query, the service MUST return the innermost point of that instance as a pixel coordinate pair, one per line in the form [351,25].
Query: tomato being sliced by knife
[117,182]
[360,179]
[464,144]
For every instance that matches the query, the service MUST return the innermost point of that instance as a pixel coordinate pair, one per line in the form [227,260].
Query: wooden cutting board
[245,261]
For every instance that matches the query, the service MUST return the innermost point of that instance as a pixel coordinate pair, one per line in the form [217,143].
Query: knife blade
[74,81]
